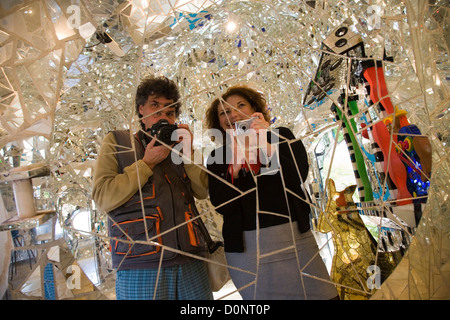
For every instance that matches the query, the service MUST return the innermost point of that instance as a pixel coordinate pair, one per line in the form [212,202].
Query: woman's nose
[234,114]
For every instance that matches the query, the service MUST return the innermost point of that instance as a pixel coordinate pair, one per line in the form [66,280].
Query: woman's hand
[259,123]
[246,150]
[261,126]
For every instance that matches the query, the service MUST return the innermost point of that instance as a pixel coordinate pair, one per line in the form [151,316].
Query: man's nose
[164,116]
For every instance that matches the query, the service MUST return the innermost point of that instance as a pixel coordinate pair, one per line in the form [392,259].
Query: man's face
[155,109]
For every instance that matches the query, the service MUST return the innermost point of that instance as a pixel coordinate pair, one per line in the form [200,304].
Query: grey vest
[167,202]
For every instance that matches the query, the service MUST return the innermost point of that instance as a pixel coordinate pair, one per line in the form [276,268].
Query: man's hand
[184,135]
[154,155]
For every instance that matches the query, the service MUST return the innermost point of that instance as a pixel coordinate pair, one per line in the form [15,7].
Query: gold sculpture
[355,249]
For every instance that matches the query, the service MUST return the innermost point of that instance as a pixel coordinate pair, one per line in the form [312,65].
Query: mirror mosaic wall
[345,77]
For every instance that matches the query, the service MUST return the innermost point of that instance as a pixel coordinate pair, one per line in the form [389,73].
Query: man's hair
[159,87]
[255,98]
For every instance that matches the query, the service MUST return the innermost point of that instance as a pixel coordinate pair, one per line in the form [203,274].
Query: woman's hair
[255,98]
[159,87]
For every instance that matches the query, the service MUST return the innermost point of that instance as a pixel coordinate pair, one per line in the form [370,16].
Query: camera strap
[212,245]
[143,138]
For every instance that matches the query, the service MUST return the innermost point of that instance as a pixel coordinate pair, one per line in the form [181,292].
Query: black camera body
[163,131]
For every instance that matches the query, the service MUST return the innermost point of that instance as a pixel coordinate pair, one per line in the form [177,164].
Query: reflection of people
[257,205]
[123,178]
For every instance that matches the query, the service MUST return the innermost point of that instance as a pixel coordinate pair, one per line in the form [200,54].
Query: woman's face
[235,108]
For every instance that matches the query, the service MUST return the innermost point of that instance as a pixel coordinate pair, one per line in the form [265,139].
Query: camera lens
[163,131]
[165,134]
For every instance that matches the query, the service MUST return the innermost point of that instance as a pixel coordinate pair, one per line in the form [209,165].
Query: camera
[163,131]
[243,126]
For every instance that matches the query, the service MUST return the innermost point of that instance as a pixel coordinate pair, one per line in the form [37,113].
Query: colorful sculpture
[394,173]
[414,150]
[374,75]
[356,157]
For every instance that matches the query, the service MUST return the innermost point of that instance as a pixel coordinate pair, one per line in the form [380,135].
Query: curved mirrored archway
[363,88]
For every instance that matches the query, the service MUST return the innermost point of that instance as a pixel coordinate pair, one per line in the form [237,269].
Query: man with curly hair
[149,200]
